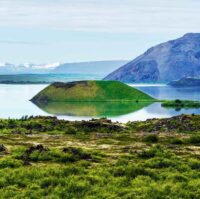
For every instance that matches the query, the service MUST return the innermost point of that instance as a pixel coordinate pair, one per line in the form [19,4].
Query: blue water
[168,92]
[14,102]
[48,77]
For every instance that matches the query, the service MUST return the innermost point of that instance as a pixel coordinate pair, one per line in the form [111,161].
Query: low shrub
[71,130]
[194,163]
[176,141]
[9,162]
[150,153]
[152,138]
[69,154]
[194,139]
[158,163]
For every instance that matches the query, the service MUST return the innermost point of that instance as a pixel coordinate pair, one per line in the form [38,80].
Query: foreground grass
[43,157]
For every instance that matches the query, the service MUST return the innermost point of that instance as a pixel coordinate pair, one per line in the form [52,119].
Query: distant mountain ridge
[94,67]
[165,62]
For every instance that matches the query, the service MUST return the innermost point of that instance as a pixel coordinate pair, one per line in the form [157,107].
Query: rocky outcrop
[3,148]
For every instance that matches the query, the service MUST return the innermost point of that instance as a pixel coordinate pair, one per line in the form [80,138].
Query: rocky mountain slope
[165,62]
[94,67]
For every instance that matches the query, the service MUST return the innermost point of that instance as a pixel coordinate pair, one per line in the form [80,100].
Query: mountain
[90,91]
[96,67]
[186,82]
[165,62]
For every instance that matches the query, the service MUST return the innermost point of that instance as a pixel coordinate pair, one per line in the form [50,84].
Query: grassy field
[43,157]
[91,91]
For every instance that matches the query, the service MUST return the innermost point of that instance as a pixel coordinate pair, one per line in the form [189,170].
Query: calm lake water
[14,103]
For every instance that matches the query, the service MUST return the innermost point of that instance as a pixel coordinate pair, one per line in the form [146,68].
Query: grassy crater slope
[90,91]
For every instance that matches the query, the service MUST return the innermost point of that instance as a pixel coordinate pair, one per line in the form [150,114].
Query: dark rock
[39,148]
[26,163]
[78,153]
[3,148]
[96,125]
[16,132]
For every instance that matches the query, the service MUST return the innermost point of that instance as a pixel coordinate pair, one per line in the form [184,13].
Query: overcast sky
[42,31]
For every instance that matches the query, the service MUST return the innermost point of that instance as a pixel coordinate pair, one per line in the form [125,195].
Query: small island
[99,98]
[181,104]
[186,82]
[91,91]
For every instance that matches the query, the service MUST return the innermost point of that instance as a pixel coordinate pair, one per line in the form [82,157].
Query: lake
[14,103]
[47,78]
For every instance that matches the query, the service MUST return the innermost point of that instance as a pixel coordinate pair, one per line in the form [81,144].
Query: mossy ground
[44,157]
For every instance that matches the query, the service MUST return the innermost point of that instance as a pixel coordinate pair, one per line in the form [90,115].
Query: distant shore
[24,82]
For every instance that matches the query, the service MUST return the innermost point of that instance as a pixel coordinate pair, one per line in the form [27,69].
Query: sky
[45,31]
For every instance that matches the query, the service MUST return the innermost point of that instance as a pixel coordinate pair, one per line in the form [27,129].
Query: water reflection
[14,103]
[154,110]
[92,109]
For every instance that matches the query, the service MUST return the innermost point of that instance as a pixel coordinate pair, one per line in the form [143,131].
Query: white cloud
[47,66]
[103,15]
[2,64]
